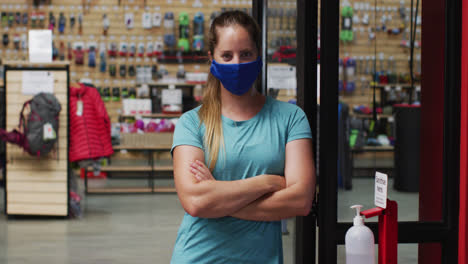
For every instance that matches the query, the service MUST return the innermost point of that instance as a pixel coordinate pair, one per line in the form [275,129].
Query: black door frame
[306,26]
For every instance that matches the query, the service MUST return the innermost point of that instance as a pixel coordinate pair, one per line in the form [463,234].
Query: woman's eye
[246,54]
[226,56]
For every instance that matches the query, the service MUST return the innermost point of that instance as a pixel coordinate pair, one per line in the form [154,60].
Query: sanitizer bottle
[359,241]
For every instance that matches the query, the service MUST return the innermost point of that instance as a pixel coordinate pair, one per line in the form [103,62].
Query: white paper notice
[381,183]
[40,46]
[35,82]
[171,96]
[282,77]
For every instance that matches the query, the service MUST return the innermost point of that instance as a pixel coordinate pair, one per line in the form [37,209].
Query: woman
[242,161]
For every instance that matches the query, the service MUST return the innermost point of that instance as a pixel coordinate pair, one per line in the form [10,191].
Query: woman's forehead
[234,37]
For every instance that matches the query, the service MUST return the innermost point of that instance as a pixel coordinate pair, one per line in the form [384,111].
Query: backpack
[38,131]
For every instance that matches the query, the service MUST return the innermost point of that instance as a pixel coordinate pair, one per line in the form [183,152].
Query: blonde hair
[210,111]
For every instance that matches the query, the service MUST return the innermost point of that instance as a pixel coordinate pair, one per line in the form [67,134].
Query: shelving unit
[152,168]
[152,116]
[160,142]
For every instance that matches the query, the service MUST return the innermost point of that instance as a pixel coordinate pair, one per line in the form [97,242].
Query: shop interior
[147,60]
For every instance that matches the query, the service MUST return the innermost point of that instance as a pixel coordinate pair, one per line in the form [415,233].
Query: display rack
[151,144]
[151,169]
[33,185]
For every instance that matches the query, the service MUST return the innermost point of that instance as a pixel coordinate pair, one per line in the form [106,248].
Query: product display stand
[150,143]
[36,185]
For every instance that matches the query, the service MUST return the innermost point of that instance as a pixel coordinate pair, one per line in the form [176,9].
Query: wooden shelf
[176,84]
[119,168]
[119,190]
[131,190]
[156,115]
[36,64]
[373,148]
[370,115]
[142,147]
[402,85]
[164,189]
[129,168]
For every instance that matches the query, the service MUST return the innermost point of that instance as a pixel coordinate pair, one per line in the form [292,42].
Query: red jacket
[90,132]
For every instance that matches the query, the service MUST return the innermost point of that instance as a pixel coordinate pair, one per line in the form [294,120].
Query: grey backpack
[38,133]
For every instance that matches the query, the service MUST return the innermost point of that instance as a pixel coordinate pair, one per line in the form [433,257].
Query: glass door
[389,101]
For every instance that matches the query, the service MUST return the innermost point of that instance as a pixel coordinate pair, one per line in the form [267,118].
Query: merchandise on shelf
[346,33]
[156,21]
[51,21]
[136,106]
[148,125]
[92,56]
[62,51]
[72,20]
[102,61]
[116,94]
[141,49]
[105,24]
[169,28]
[183,42]
[198,31]
[79,55]
[62,22]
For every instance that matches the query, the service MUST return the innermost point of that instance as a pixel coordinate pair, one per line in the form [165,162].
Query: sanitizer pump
[359,241]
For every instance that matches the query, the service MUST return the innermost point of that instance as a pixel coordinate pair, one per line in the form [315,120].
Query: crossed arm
[260,198]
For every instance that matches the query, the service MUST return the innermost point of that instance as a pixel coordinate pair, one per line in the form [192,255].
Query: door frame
[306,28]
[445,231]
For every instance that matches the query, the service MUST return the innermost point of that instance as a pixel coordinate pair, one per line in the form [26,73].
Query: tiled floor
[140,229]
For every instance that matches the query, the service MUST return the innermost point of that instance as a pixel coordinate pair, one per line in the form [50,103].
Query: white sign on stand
[40,46]
[381,183]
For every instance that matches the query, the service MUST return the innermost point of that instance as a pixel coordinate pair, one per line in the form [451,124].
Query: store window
[379,104]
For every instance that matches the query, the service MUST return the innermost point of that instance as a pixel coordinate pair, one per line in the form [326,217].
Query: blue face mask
[237,78]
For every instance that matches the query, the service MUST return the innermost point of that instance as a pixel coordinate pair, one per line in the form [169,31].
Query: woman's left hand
[200,171]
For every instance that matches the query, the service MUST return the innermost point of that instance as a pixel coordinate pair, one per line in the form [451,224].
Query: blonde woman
[242,161]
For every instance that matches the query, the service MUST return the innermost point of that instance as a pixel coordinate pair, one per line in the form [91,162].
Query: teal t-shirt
[252,147]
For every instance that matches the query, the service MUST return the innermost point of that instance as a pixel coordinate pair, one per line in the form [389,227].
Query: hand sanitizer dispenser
[359,241]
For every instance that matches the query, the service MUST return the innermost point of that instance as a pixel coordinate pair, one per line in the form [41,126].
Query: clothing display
[258,145]
[90,136]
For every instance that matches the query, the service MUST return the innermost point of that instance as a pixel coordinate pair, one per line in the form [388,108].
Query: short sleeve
[187,132]
[298,126]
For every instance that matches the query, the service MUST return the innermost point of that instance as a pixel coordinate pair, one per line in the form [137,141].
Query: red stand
[388,231]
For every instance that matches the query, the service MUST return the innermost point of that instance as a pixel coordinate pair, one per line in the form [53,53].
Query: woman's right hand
[200,171]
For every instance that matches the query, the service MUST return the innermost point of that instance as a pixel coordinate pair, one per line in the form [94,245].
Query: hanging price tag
[79,108]
[49,132]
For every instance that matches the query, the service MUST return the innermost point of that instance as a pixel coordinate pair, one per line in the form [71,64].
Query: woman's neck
[240,108]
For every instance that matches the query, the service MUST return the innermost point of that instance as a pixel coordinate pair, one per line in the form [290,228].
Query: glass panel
[281,84]
[281,24]
[375,54]
[407,253]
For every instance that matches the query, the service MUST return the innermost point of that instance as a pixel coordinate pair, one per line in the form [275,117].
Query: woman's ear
[210,57]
